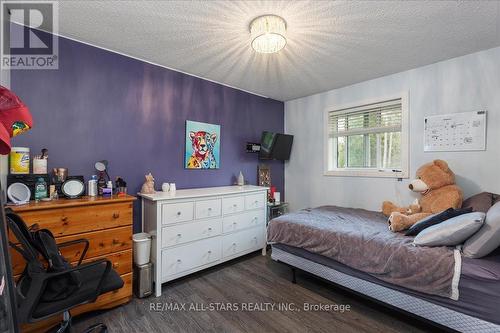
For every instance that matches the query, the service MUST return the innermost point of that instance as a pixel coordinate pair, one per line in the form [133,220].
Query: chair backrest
[34,244]
[26,246]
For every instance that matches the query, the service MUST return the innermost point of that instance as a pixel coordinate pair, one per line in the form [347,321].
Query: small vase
[241,179]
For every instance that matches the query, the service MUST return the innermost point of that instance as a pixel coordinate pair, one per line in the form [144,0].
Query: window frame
[370,172]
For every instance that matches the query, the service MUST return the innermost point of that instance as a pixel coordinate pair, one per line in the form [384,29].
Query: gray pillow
[451,232]
[487,238]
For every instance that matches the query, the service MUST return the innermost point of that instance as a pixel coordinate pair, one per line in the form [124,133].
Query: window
[368,140]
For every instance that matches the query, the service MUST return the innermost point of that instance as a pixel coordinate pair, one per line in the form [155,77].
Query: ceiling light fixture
[268,33]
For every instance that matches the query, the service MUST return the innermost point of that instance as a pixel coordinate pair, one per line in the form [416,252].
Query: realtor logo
[29,39]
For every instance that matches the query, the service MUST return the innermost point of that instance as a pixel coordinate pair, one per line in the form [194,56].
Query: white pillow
[487,238]
[451,232]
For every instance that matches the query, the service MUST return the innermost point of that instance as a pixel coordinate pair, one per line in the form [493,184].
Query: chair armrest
[48,276]
[77,241]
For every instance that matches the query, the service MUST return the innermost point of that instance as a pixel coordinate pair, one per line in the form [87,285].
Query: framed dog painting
[202,145]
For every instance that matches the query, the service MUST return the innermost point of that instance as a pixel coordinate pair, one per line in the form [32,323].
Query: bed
[354,249]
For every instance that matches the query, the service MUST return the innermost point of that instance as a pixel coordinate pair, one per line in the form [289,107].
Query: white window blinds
[373,118]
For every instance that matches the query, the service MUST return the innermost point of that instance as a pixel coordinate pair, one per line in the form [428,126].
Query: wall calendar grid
[465,131]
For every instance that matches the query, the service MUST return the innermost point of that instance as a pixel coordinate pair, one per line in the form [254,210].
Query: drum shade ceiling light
[268,33]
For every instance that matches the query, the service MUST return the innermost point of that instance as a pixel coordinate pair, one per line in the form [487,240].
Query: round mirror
[73,188]
[18,193]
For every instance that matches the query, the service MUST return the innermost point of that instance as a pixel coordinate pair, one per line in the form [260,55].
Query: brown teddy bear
[436,183]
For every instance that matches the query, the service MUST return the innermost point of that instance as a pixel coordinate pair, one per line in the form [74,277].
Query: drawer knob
[115,265]
[178,260]
[64,218]
[209,229]
[256,201]
[178,213]
[179,235]
[235,205]
[209,252]
[234,244]
[116,241]
[234,223]
[209,209]
[116,215]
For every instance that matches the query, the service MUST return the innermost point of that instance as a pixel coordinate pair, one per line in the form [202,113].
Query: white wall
[467,83]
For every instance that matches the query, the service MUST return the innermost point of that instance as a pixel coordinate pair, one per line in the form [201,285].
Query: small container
[92,187]
[165,187]
[107,192]
[40,166]
[172,188]
[19,160]
[277,197]
[40,189]
[52,191]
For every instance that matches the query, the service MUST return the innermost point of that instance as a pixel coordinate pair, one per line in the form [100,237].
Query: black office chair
[53,287]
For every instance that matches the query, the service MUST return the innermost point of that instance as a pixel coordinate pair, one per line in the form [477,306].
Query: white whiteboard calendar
[455,132]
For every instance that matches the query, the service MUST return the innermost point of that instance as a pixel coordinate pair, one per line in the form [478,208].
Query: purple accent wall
[102,105]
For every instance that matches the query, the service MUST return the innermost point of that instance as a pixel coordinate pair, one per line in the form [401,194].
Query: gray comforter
[362,240]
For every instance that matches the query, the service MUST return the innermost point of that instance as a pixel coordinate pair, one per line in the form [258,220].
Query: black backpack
[35,243]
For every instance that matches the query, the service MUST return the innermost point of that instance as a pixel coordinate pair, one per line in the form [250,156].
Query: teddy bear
[436,184]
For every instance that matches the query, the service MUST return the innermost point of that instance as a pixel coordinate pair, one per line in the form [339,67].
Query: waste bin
[142,248]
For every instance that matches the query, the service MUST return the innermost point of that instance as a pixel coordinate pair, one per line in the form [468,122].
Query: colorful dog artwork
[202,145]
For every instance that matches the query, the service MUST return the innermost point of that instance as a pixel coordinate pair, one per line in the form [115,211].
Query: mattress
[479,283]
[360,239]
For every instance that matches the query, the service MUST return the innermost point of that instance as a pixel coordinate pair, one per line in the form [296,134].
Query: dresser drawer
[242,221]
[177,212]
[207,208]
[120,261]
[242,241]
[75,220]
[100,243]
[233,205]
[187,257]
[254,201]
[187,232]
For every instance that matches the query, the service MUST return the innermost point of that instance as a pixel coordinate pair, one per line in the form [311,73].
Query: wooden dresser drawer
[177,212]
[75,220]
[254,201]
[187,257]
[231,205]
[187,232]
[101,243]
[242,221]
[242,241]
[207,208]
[120,261]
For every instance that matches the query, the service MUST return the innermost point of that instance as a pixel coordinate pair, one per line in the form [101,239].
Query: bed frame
[413,305]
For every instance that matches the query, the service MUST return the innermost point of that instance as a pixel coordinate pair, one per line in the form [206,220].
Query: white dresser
[197,228]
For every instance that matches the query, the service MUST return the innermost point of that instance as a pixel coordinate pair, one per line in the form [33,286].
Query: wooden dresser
[197,228]
[105,222]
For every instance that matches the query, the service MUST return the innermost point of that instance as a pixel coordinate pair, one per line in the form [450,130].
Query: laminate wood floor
[254,282]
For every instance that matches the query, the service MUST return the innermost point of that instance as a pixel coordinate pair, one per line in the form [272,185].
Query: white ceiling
[330,43]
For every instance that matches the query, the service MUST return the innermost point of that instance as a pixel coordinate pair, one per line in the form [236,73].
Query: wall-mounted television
[275,146]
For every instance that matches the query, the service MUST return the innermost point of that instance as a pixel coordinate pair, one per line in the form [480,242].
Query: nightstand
[275,210]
